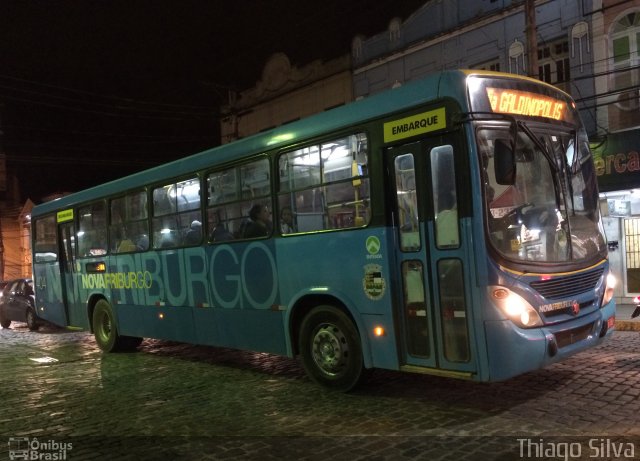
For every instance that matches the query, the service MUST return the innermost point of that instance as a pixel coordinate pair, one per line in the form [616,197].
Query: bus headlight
[608,291]
[515,307]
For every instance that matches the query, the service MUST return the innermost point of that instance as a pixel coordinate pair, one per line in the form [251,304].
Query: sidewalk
[624,322]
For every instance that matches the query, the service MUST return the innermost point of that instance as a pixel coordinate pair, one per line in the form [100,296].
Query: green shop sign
[617,161]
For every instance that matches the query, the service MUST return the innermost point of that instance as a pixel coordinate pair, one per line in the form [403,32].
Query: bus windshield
[540,193]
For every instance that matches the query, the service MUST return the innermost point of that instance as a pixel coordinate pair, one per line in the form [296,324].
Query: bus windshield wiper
[539,144]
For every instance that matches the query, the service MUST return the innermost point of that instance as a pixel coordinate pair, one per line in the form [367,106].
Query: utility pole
[532,38]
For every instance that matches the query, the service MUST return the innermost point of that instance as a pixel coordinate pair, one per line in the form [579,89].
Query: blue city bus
[450,226]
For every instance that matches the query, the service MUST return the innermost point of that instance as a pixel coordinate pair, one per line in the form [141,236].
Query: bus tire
[106,332]
[5,323]
[130,343]
[330,349]
[32,321]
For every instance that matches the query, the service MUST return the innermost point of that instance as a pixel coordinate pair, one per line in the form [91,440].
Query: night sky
[94,90]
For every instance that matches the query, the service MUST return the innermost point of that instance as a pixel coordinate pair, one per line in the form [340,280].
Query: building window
[553,62]
[580,42]
[356,47]
[516,58]
[493,64]
[625,42]
[394,30]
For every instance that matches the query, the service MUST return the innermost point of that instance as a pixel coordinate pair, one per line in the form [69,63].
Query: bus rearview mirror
[505,163]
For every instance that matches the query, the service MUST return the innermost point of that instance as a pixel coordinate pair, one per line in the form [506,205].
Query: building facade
[284,94]
[588,48]
[616,142]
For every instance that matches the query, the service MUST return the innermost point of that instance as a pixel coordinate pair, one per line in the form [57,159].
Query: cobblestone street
[176,401]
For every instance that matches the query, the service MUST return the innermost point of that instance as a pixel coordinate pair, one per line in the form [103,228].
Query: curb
[627,325]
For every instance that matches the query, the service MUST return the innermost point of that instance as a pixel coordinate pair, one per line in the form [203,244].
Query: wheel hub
[105,326]
[330,349]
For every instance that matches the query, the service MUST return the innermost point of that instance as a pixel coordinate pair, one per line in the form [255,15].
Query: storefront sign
[619,208]
[617,161]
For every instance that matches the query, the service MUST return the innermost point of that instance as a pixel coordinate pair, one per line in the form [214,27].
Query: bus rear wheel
[330,349]
[106,331]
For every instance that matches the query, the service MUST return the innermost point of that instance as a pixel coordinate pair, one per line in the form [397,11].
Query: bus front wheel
[330,348]
[106,331]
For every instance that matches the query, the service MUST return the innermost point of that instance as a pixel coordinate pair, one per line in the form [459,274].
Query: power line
[104,96]
[111,134]
[117,112]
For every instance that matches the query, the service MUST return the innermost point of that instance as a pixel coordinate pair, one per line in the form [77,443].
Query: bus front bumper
[513,351]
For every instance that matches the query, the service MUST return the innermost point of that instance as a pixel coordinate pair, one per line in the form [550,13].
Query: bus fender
[305,300]
[92,299]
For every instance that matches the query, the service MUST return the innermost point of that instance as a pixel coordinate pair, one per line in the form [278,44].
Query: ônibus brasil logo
[24,448]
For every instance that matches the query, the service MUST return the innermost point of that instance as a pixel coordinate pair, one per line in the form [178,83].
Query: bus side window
[445,201]
[222,217]
[92,235]
[129,228]
[177,218]
[232,195]
[46,240]
[407,202]
[324,186]
[454,310]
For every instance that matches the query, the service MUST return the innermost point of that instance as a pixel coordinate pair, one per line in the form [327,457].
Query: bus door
[433,307]
[70,295]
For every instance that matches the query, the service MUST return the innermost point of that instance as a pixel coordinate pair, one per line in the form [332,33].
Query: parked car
[17,304]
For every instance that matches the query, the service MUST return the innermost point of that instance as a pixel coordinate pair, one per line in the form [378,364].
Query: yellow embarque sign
[65,215]
[414,125]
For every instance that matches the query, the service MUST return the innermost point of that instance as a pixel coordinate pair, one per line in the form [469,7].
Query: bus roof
[406,96]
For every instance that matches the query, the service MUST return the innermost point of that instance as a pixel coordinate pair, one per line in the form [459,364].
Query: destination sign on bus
[506,101]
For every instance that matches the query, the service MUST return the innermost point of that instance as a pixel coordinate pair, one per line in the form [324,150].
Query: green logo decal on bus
[415,125]
[373,245]
[65,215]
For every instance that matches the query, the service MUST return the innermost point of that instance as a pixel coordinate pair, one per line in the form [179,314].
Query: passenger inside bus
[287,226]
[142,243]
[260,224]
[220,232]
[194,234]
[124,242]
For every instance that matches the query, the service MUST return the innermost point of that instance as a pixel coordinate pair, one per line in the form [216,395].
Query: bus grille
[563,287]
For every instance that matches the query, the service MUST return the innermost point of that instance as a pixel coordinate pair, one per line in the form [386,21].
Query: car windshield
[541,204]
